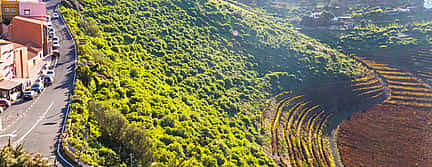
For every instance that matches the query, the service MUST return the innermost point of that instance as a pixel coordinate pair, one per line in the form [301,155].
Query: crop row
[406,88]
[409,88]
[415,104]
[393,77]
[365,83]
[369,86]
[398,73]
[302,140]
[408,93]
[415,84]
[425,99]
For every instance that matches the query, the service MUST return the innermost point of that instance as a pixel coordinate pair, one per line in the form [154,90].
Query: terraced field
[397,132]
[298,123]
[406,87]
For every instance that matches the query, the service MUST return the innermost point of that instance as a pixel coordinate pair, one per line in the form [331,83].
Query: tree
[10,156]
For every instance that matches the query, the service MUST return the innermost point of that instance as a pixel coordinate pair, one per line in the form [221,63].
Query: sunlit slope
[193,74]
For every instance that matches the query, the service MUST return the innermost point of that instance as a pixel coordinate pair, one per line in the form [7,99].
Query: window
[26,11]
[6,10]
[13,10]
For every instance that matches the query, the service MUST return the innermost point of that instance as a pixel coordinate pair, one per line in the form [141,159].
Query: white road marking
[34,125]
[24,113]
[8,135]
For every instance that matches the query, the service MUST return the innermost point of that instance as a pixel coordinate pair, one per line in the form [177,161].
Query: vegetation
[182,82]
[10,156]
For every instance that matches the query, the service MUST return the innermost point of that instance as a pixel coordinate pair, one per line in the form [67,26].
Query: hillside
[184,81]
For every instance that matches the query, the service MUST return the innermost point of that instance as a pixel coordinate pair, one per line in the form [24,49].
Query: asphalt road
[37,123]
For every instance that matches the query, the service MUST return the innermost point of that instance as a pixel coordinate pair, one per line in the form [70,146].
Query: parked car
[49,24]
[56,38]
[51,32]
[48,19]
[55,15]
[5,103]
[48,80]
[37,87]
[56,53]
[29,95]
[50,73]
[56,44]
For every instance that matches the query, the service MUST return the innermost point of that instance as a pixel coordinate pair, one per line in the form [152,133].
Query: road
[37,123]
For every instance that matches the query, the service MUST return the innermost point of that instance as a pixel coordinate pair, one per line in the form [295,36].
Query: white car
[50,73]
[52,33]
[56,44]
[48,19]
[55,15]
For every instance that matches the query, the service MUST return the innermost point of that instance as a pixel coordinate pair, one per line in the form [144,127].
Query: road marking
[8,135]
[34,125]
[24,113]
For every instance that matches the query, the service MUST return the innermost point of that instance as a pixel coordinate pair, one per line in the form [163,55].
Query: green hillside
[170,81]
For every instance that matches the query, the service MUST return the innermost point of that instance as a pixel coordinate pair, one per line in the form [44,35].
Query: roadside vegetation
[183,82]
[16,156]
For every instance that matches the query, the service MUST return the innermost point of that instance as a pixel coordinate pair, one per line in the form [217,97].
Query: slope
[193,75]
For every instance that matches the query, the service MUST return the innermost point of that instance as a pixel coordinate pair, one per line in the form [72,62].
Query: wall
[7,58]
[21,62]
[24,32]
[33,9]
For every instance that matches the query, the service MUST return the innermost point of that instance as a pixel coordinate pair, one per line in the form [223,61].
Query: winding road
[38,123]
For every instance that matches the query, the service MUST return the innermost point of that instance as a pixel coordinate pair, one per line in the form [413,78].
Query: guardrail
[61,140]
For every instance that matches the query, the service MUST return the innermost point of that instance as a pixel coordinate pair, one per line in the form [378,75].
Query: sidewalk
[13,115]
[35,72]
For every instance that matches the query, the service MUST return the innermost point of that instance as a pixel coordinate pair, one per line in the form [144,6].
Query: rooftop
[4,42]
[7,85]
[29,20]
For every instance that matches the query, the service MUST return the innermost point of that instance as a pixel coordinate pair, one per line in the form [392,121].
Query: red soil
[387,135]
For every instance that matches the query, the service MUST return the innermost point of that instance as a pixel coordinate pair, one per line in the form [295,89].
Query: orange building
[30,32]
[10,8]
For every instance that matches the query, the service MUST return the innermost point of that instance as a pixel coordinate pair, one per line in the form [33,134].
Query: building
[9,52]
[10,90]
[31,33]
[34,9]
[21,61]
[34,57]
[10,8]
[7,67]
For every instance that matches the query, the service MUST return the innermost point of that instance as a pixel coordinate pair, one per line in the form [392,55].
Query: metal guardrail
[60,138]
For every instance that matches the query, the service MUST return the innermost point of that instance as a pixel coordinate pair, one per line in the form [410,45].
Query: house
[9,8]
[26,31]
[34,9]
